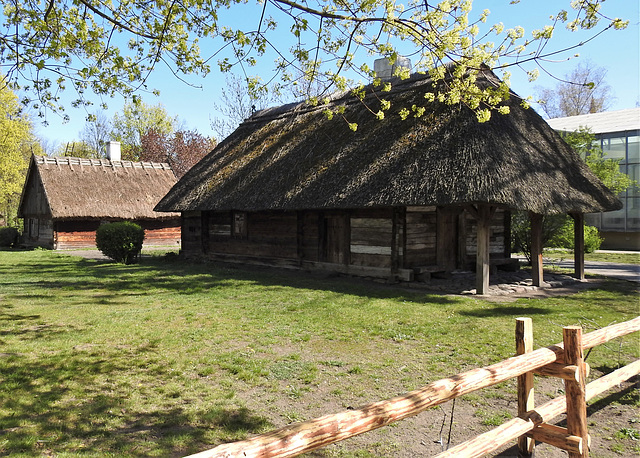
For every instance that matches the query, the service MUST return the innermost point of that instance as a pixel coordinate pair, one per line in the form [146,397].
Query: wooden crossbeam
[558,437]
[566,372]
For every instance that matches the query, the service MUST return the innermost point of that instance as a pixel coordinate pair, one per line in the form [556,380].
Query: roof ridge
[98,162]
[346,96]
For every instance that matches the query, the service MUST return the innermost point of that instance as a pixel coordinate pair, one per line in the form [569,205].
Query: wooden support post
[575,390]
[578,247]
[482,253]
[300,236]
[397,239]
[524,344]
[536,248]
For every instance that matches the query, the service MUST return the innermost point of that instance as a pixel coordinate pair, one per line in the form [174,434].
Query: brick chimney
[113,151]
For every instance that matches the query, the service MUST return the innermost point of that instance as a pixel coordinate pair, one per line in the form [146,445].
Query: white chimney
[113,151]
[385,71]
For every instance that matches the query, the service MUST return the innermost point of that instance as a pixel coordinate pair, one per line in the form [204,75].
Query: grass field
[623,258]
[166,358]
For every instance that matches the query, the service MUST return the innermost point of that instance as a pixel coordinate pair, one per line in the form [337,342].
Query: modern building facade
[618,134]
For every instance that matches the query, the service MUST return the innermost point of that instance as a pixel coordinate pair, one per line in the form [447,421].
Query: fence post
[575,389]
[524,344]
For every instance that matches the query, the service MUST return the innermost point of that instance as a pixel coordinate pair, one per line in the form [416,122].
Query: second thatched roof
[99,189]
[294,157]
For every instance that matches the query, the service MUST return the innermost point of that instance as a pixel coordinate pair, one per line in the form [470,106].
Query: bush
[521,231]
[8,237]
[565,238]
[121,241]
[557,232]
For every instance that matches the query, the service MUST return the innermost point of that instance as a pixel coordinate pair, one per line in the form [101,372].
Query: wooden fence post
[575,390]
[524,344]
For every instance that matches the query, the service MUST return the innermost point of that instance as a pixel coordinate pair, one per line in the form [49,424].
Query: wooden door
[336,239]
[447,238]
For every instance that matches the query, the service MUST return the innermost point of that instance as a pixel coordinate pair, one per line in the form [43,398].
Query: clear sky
[617,51]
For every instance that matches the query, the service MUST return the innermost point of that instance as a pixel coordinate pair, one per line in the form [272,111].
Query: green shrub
[8,237]
[121,241]
[521,231]
[564,238]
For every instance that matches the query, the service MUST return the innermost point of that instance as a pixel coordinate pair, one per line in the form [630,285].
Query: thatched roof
[101,189]
[294,157]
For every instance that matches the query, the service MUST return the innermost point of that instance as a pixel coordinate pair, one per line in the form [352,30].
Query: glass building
[618,134]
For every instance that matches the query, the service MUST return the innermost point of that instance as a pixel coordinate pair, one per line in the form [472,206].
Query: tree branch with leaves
[113,47]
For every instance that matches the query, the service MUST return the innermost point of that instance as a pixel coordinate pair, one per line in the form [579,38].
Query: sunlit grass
[167,358]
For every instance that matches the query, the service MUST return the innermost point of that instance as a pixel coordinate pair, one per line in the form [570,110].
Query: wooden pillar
[346,238]
[524,344]
[507,234]
[300,236]
[204,231]
[322,237]
[575,389]
[482,253]
[398,238]
[536,248]
[578,246]
[395,261]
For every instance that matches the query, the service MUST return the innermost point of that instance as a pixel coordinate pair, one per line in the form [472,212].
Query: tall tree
[181,150]
[557,229]
[96,133]
[47,46]
[582,91]
[237,103]
[606,169]
[76,149]
[136,120]
[17,143]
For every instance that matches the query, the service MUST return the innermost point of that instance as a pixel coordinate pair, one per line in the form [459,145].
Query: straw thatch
[295,157]
[99,189]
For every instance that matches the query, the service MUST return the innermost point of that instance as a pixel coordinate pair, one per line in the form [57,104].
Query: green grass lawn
[623,258]
[165,358]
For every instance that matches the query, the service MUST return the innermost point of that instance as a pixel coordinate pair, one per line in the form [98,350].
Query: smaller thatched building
[65,199]
[396,198]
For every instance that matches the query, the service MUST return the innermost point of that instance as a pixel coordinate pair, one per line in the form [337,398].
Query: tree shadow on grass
[505,310]
[187,277]
[80,401]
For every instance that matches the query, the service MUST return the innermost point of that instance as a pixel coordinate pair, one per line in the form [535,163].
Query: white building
[618,134]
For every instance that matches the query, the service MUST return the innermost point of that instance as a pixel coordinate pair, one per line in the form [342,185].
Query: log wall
[267,235]
[385,238]
[82,234]
[499,239]
[191,234]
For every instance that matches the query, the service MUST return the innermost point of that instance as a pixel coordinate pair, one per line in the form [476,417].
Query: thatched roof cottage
[65,199]
[395,198]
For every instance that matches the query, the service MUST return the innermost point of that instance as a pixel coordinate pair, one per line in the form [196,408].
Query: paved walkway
[629,272]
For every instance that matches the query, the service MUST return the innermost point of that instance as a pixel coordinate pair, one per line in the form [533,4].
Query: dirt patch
[611,421]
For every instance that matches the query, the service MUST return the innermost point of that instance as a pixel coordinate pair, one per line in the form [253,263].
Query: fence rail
[562,360]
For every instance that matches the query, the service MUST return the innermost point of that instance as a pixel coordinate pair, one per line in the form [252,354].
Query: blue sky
[617,51]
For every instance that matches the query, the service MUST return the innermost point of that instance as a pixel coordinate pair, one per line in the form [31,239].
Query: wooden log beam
[575,390]
[483,248]
[558,437]
[524,345]
[563,371]
[492,440]
[305,436]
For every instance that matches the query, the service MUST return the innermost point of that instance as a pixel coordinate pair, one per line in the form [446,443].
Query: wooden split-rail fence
[564,360]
